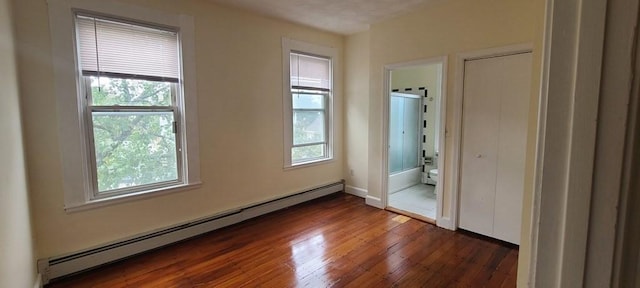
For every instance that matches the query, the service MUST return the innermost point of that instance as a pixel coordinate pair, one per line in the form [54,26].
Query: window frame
[290,46]
[75,135]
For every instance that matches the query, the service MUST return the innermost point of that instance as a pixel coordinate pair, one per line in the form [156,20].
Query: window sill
[309,163]
[92,204]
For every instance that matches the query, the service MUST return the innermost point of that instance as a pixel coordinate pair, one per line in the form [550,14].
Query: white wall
[17,257]
[239,88]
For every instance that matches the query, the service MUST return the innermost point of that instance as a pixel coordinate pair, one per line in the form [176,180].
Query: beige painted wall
[239,85]
[447,28]
[356,128]
[17,265]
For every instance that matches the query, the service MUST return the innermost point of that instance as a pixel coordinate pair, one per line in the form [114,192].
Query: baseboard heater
[56,267]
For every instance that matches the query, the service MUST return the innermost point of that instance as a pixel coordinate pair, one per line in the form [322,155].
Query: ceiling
[339,16]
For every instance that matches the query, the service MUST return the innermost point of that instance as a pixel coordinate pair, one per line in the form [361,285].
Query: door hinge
[175,127]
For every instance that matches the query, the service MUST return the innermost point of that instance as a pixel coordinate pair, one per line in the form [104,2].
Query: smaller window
[308,102]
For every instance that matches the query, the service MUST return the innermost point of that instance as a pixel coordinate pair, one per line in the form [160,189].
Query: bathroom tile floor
[419,199]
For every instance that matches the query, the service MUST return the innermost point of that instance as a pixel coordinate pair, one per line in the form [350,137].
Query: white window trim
[72,138]
[288,46]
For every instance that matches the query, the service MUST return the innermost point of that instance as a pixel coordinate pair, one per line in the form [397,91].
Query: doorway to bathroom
[415,139]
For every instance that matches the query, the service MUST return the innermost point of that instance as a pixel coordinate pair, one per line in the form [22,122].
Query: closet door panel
[479,146]
[512,143]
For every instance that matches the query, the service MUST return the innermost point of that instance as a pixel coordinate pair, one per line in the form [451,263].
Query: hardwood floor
[335,241]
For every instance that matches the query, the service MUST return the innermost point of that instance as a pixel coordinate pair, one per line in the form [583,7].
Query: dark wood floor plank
[335,241]
[511,277]
[475,265]
[501,273]
[489,269]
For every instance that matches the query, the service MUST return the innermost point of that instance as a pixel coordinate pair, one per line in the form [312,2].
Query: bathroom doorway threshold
[412,215]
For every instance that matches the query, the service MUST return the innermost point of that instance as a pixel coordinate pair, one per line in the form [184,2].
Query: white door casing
[442,220]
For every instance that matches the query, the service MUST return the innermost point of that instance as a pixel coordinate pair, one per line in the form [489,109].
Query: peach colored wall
[239,86]
[356,107]
[17,254]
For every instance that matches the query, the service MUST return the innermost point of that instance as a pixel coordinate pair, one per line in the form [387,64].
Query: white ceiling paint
[339,16]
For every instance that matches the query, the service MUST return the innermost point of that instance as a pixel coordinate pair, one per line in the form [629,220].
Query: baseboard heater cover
[55,267]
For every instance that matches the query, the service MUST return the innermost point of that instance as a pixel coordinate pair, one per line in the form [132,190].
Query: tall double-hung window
[126,101]
[131,76]
[308,103]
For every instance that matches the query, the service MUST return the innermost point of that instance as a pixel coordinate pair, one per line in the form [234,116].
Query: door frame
[458,100]
[582,174]
[386,98]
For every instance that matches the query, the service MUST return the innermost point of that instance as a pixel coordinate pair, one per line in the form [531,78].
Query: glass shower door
[410,145]
[396,123]
[404,133]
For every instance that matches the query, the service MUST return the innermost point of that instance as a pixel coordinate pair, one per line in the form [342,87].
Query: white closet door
[479,145]
[512,144]
[495,106]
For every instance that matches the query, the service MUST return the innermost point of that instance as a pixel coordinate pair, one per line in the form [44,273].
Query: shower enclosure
[404,141]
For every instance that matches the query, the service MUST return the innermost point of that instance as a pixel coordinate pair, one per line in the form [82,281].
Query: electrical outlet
[351,172]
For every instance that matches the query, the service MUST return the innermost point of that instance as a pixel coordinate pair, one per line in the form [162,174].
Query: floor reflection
[309,257]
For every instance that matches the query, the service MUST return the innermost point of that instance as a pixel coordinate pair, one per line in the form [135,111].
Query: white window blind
[126,50]
[310,71]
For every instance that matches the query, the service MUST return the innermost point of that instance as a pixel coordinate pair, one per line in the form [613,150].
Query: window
[308,103]
[131,76]
[131,97]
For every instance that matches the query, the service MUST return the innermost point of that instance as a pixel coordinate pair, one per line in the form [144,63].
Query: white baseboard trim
[55,267]
[362,193]
[446,223]
[374,201]
[38,281]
